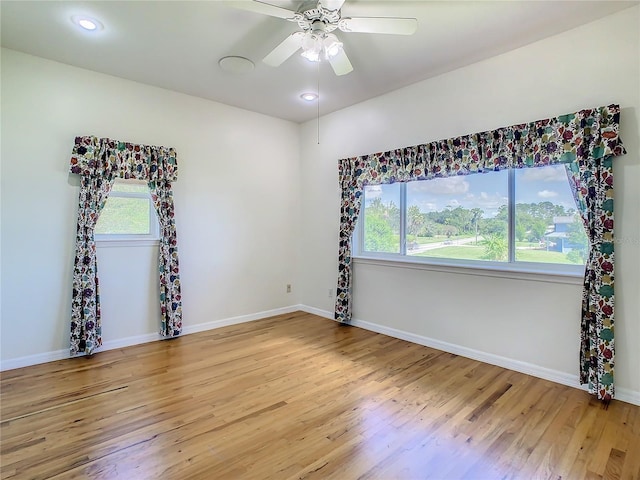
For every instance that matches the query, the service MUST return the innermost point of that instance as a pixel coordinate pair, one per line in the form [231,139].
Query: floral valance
[589,133]
[106,158]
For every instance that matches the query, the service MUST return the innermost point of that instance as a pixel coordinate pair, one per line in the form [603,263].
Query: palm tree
[415,220]
[476,214]
[496,248]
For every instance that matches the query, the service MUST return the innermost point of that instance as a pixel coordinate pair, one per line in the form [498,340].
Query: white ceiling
[177,44]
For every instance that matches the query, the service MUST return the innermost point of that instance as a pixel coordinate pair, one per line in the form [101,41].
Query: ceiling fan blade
[341,64]
[332,4]
[393,26]
[265,9]
[288,47]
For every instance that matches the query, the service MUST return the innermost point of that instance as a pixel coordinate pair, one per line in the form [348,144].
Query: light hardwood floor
[298,396]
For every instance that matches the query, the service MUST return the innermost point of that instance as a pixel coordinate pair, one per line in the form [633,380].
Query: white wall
[519,320]
[236,205]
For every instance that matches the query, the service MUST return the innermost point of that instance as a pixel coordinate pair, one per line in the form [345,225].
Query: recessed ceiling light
[309,96]
[87,23]
[233,64]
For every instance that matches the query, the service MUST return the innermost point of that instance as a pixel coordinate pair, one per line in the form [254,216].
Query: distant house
[557,240]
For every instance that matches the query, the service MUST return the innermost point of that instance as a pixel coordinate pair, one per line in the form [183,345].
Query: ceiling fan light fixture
[316,47]
[312,47]
[332,46]
[311,55]
[309,41]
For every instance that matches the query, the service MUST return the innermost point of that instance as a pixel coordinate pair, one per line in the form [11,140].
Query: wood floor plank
[297,396]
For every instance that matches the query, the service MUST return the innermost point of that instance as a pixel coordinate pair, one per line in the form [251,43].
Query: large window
[128,213]
[525,219]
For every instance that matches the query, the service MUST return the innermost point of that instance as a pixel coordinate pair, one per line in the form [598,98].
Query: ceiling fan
[317,24]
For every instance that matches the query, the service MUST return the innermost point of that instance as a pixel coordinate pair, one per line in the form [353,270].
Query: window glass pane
[462,217]
[548,228]
[124,216]
[130,186]
[382,218]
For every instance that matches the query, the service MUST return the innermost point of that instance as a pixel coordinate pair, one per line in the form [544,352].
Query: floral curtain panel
[86,331]
[585,141]
[592,185]
[99,161]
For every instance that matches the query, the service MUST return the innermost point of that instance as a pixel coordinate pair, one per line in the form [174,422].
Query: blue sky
[486,191]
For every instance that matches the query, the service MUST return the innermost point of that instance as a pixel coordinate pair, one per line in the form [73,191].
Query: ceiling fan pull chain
[318,70]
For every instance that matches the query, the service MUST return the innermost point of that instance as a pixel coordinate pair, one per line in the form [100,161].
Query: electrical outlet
[288,288]
[331,293]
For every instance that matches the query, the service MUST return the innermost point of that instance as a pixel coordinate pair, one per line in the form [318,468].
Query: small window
[523,219]
[128,213]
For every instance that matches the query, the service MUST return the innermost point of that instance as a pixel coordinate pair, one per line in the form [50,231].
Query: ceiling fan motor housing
[319,20]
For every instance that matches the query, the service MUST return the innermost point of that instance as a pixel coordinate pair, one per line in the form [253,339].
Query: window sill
[489,270]
[102,243]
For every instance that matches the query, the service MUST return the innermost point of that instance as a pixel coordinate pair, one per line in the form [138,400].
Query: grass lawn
[527,244]
[460,252]
[476,253]
[542,256]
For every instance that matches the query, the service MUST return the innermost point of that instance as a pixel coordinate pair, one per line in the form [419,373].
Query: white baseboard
[28,360]
[623,394]
[45,357]
[201,327]
[317,311]
[628,395]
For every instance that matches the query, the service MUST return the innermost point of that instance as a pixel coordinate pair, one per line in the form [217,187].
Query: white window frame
[548,272]
[135,240]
